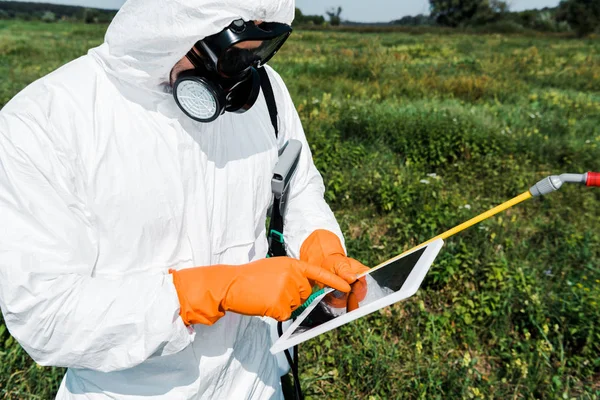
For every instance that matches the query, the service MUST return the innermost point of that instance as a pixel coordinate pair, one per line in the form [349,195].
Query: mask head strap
[195,59]
[212,48]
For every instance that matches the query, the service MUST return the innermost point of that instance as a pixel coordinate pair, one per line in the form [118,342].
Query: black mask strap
[265,83]
[195,59]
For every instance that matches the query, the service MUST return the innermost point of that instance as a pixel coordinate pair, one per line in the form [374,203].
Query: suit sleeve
[307,210]
[52,302]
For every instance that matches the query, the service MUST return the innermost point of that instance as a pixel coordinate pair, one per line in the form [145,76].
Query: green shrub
[503,26]
[48,16]
[427,138]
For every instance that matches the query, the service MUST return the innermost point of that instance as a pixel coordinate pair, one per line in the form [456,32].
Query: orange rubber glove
[324,248]
[273,287]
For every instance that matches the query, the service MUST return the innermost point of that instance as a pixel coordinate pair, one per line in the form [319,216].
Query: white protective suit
[105,185]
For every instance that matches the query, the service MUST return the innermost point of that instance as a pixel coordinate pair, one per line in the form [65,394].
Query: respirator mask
[225,76]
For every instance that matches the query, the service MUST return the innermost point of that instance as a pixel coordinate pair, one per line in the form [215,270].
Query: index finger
[325,277]
[358,268]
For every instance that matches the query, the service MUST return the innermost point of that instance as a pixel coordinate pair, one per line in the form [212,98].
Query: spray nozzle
[554,182]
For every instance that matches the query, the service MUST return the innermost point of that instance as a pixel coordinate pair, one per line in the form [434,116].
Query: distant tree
[334,16]
[4,14]
[105,17]
[464,12]
[48,16]
[490,11]
[453,12]
[527,17]
[90,15]
[303,19]
[499,6]
[582,15]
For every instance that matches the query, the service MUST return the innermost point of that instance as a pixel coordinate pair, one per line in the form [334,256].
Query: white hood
[148,37]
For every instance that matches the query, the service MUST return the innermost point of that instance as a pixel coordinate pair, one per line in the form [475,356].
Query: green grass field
[415,134]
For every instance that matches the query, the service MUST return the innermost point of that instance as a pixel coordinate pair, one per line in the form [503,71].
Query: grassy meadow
[415,134]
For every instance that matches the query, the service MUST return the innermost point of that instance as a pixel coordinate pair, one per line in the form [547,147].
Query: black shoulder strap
[275,236]
[267,89]
[276,243]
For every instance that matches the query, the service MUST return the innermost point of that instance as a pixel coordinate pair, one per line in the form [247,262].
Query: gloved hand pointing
[324,248]
[272,287]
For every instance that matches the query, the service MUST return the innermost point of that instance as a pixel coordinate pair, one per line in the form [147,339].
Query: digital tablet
[393,281]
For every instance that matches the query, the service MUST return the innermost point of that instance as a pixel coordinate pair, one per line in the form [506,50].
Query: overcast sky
[354,10]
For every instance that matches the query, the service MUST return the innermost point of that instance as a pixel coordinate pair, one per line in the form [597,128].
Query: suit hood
[148,37]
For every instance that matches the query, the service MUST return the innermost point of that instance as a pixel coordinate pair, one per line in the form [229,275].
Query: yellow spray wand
[543,187]
[482,217]
[473,221]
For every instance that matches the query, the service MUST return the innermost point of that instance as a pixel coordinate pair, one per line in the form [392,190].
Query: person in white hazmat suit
[132,248]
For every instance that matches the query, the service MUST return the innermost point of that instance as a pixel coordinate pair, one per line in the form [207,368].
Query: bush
[48,16]
[444,136]
[504,27]
[545,22]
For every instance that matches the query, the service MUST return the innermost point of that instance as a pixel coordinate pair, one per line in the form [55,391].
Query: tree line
[53,12]
[581,16]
